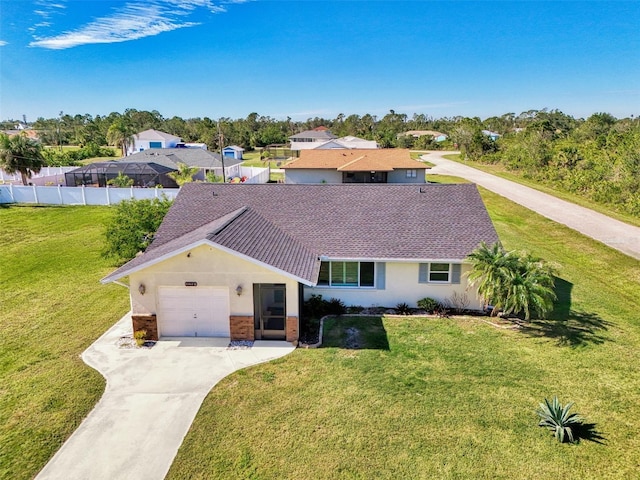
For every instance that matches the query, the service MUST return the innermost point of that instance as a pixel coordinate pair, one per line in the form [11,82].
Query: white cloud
[131,22]
[3,43]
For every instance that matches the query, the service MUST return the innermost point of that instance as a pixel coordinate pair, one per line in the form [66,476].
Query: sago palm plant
[557,418]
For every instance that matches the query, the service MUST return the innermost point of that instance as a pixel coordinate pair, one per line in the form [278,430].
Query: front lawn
[53,307]
[445,398]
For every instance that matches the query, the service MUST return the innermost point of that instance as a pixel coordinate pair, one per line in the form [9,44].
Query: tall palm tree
[121,134]
[21,154]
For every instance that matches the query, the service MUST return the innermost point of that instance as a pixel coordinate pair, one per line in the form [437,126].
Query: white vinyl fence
[79,195]
[59,195]
[44,172]
[255,174]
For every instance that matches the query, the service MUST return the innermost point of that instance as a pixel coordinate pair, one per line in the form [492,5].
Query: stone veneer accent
[241,327]
[292,329]
[146,322]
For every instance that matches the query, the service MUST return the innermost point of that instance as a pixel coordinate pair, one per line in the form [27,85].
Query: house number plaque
[190,284]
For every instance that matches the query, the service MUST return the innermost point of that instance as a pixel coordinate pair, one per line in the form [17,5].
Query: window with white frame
[439,272]
[412,174]
[347,274]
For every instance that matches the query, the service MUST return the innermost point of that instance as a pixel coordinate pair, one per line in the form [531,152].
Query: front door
[270,310]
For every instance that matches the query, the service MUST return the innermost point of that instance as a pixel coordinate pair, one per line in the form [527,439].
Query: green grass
[445,398]
[53,307]
[500,171]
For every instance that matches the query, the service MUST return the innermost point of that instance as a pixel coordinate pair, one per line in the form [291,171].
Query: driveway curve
[151,399]
[614,233]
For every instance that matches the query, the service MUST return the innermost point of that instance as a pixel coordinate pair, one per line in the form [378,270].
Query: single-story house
[204,160]
[238,260]
[311,138]
[233,151]
[492,135]
[153,139]
[437,136]
[355,166]
[344,143]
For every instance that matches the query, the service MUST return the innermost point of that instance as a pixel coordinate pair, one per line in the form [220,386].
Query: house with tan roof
[239,260]
[355,166]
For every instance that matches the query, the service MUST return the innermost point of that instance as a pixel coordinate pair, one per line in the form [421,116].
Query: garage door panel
[190,312]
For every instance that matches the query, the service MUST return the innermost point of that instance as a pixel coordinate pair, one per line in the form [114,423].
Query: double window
[347,274]
[439,273]
[412,173]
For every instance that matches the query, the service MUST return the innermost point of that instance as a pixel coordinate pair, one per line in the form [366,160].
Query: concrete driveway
[150,401]
[614,233]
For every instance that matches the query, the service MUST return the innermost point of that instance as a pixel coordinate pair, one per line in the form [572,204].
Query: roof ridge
[352,161]
[227,221]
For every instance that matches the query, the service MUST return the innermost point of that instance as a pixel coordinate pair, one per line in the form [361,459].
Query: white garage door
[193,311]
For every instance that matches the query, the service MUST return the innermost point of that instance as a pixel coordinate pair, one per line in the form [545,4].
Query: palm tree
[490,272]
[21,154]
[120,134]
[184,174]
[512,283]
[531,288]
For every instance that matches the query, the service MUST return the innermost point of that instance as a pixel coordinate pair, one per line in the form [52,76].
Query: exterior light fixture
[142,289]
[239,290]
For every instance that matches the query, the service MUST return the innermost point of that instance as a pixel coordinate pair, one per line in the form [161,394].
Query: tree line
[597,158]
[258,131]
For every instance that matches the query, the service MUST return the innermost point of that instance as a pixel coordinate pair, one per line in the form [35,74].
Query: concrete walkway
[614,233]
[151,399]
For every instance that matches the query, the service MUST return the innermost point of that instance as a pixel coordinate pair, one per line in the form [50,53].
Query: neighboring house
[347,142]
[21,130]
[238,260]
[492,135]
[204,160]
[311,138]
[233,151]
[355,166]
[437,136]
[153,139]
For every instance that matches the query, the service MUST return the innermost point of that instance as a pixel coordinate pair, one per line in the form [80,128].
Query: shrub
[458,302]
[336,307]
[140,336]
[133,226]
[557,419]
[403,309]
[317,307]
[428,304]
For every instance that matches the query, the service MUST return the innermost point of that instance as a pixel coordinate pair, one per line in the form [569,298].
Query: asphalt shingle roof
[290,226]
[170,157]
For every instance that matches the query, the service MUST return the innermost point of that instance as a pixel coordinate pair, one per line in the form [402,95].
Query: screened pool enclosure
[143,174]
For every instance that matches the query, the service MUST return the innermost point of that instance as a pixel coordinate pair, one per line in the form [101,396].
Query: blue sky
[196,58]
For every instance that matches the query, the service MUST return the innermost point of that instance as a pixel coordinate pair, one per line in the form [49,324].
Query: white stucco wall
[401,285]
[210,267]
[302,176]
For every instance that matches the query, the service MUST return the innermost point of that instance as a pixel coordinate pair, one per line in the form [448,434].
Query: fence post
[108,198]
[60,195]
[35,193]
[84,197]
[13,198]
[132,196]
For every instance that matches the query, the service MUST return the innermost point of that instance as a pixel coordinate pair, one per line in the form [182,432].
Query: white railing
[79,195]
